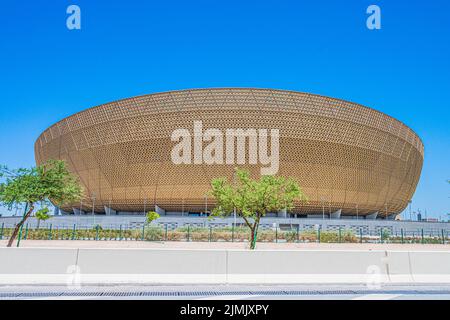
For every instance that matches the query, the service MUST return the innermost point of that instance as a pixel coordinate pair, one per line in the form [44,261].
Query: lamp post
[329,210]
[410,214]
[357,212]
[93,206]
[323,208]
[206,204]
[79,213]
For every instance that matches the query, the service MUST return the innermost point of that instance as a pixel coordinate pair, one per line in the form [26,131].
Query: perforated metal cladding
[344,155]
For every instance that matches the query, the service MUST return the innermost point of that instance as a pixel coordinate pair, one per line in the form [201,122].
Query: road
[228,292]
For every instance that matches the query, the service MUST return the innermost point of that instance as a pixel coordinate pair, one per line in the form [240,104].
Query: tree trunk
[254,235]
[253,239]
[17,228]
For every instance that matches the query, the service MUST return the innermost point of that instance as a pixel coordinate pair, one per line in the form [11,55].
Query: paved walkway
[226,245]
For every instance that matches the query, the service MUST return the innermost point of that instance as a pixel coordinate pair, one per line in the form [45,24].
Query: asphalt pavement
[228,292]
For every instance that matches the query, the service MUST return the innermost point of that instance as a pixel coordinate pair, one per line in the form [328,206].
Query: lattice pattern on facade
[344,155]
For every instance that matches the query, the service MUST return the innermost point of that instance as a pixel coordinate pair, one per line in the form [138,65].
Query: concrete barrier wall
[303,262]
[36,261]
[40,265]
[141,261]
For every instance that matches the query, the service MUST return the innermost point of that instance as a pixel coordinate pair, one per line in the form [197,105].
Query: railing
[223,234]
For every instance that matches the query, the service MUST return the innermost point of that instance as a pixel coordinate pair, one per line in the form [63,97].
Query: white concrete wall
[153,266]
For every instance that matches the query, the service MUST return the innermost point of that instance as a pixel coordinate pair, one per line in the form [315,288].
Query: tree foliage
[42,215]
[49,182]
[253,199]
[150,216]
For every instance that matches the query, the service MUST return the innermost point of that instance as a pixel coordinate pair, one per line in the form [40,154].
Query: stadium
[350,160]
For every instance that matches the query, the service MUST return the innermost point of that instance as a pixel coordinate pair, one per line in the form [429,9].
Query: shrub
[176,235]
[291,236]
[308,236]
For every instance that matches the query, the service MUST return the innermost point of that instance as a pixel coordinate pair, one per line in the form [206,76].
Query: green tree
[151,215]
[253,199]
[42,215]
[51,181]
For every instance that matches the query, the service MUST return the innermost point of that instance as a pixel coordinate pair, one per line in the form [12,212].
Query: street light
[329,210]
[323,208]
[357,212]
[93,203]
[206,204]
[410,216]
[93,206]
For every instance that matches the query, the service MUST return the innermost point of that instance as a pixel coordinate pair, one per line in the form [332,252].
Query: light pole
[410,215]
[206,204]
[386,211]
[357,212]
[93,206]
[323,208]
[329,210]
[79,213]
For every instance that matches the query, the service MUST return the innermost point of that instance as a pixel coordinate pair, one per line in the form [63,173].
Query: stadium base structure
[176,214]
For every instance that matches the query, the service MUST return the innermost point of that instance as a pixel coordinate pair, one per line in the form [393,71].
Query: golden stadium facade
[347,158]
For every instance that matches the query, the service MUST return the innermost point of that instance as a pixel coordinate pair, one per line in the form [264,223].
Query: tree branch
[248,223]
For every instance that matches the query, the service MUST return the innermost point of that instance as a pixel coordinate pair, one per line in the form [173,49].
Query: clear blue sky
[128,48]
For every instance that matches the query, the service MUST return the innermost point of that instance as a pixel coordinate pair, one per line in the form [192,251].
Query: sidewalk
[225,245]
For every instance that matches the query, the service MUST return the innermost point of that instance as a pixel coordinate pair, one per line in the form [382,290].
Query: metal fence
[235,233]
